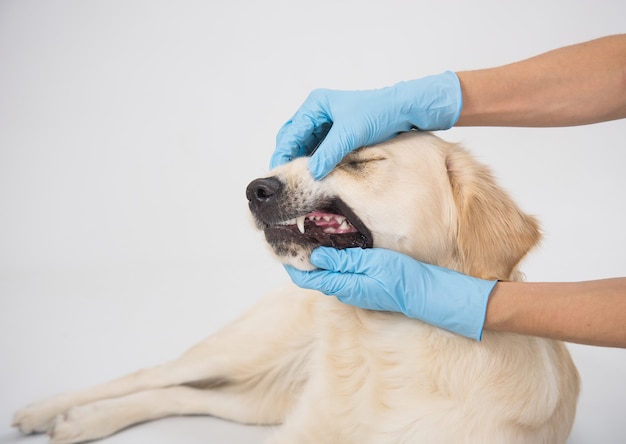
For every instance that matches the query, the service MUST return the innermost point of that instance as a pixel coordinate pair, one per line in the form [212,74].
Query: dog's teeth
[300,223]
[344,225]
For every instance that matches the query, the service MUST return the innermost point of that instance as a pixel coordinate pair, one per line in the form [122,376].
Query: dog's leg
[38,417]
[265,351]
[103,418]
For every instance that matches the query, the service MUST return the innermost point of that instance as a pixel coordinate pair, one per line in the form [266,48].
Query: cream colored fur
[331,373]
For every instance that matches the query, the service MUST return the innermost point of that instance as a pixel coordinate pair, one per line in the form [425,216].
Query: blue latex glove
[361,118]
[378,279]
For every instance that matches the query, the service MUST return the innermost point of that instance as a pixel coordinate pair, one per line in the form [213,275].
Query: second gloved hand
[378,279]
[361,118]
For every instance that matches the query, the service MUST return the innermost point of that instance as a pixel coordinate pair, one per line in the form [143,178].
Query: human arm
[573,85]
[589,312]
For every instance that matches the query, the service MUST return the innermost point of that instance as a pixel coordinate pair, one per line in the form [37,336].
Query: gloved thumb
[349,260]
[330,151]
[328,282]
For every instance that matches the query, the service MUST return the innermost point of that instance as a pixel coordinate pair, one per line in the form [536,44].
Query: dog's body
[332,373]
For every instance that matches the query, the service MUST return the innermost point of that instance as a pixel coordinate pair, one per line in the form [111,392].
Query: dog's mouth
[334,225]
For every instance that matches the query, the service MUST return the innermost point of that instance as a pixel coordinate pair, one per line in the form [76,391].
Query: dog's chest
[372,359]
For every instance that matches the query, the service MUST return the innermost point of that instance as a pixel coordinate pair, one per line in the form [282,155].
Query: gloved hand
[361,118]
[379,279]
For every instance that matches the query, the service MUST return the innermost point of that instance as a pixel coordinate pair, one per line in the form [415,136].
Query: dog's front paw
[72,427]
[84,423]
[37,417]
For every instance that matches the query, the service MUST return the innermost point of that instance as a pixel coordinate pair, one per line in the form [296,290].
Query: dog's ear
[493,234]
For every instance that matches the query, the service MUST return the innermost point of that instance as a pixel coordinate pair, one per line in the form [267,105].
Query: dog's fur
[332,373]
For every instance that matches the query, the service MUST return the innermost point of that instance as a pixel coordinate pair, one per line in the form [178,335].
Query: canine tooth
[300,223]
[344,225]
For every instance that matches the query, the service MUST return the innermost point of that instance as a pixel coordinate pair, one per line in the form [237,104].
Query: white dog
[332,373]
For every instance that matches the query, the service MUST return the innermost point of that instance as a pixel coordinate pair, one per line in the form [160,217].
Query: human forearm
[574,85]
[592,312]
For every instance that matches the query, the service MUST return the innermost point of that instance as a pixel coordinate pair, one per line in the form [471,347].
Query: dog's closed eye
[359,163]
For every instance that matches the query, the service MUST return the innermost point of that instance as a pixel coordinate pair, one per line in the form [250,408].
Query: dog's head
[415,194]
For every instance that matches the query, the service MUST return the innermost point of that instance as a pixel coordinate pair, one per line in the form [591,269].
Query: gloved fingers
[301,134]
[292,140]
[298,277]
[328,282]
[297,139]
[285,147]
[354,289]
[349,260]
[335,146]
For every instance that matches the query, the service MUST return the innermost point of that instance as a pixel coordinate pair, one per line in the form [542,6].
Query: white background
[129,130]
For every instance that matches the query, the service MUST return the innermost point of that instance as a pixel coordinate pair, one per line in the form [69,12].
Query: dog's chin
[299,261]
[296,254]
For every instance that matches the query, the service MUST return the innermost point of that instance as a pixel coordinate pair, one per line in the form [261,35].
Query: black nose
[263,191]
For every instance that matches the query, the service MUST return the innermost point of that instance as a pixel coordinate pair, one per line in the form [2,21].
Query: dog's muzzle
[331,223]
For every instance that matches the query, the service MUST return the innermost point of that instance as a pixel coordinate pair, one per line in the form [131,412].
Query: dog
[328,373]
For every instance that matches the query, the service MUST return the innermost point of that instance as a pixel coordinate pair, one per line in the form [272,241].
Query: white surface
[129,130]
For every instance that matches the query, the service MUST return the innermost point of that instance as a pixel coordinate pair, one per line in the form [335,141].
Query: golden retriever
[332,373]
